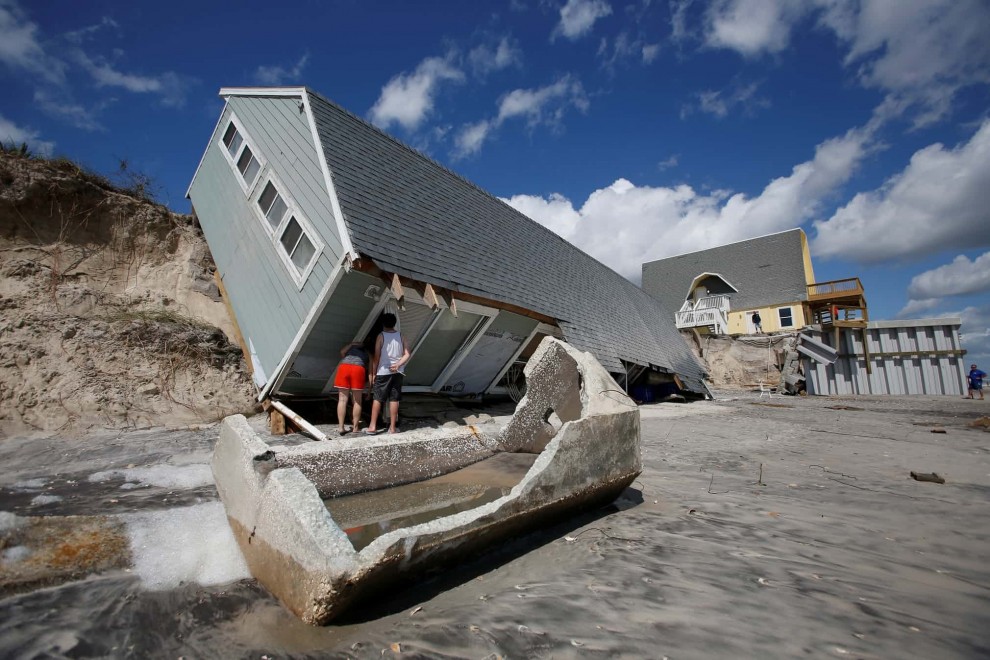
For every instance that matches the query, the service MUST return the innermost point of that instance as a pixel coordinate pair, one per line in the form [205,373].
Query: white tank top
[392,351]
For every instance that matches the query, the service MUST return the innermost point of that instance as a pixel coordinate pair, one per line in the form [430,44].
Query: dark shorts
[976,384]
[388,388]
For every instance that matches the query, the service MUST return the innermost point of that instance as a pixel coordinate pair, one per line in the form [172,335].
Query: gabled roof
[767,270]
[414,217]
[696,281]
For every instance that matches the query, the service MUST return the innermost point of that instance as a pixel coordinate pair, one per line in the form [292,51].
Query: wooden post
[398,291]
[276,422]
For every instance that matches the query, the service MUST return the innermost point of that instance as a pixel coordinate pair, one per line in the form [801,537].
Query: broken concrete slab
[582,428]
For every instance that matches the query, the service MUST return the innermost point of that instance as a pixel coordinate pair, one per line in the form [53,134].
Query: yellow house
[721,290]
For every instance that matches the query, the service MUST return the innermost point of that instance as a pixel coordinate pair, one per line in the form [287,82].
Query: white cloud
[20,46]
[956,278]
[408,98]
[668,163]
[974,334]
[169,86]
[921,53]
[83,34]
[625,225]
[279,75]
[486,58]
[938,202]
[538,106]
[917,307]
[650,53]
[719,103]
[751,27]
[577,17]
[471,137]
[12,134]
[57,104]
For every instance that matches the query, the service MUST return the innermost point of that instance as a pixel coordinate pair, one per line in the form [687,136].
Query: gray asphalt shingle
[414,217]
[768,270]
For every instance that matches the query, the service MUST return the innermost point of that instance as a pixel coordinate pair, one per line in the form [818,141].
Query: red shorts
[351,377]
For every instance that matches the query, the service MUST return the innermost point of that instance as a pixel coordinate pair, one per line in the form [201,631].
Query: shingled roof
[414,217]
[768,270]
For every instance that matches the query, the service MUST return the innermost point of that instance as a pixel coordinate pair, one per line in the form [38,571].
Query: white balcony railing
[710,311]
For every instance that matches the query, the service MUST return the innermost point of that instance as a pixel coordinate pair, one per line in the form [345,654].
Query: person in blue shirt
[975,382]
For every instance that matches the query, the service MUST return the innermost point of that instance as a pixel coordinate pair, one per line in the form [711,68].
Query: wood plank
[303,425]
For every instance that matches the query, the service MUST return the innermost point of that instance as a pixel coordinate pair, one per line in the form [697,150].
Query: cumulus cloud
[12,134]
[280,75]
[20,45]
[408,98]
[719,103]
[577,17]
[487,57]
[624,225]
[668,162]
[751,27]
[921,53]
[538,106]
[958,277]
[974,334]
[918,307]
[938,202]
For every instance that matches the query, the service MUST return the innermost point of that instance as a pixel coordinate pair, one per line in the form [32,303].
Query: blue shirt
[976,379]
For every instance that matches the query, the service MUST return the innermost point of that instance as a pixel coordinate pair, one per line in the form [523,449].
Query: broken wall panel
[500,341]
[905,358]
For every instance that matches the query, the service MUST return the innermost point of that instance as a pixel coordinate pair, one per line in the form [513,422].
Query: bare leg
[341,409]
[356,395]
[376,410]
[393,413]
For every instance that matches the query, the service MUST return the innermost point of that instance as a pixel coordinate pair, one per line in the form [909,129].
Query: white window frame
[292,211]
[780,318]
[246,141]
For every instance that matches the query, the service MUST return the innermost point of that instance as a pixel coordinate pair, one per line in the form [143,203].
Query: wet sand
[829,550]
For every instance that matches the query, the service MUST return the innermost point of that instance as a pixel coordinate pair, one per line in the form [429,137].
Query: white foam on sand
[8,520]
[30,484]
[166,476]
[39,500]
[16,554]
[189,544]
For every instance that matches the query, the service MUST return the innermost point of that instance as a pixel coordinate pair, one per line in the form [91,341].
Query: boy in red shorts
[352,374]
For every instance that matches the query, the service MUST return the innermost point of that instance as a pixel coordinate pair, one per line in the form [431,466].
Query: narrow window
[272,205]
[297,245]
[232,139]
[786,317]
[248,165]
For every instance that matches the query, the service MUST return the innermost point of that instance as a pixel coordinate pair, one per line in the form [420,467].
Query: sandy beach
[759,527]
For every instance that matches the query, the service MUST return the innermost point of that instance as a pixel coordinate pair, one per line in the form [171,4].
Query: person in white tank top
[388,366]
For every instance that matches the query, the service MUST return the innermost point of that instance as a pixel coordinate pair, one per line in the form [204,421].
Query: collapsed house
[718,290]
[318,222]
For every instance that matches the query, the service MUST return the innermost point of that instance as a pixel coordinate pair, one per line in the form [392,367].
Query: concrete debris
[573,442]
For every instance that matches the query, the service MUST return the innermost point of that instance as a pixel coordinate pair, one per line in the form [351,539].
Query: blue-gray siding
[269,305]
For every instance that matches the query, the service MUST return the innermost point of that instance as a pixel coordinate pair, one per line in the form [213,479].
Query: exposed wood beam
[398,292]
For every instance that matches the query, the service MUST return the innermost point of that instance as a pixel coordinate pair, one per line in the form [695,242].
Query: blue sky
[636,130]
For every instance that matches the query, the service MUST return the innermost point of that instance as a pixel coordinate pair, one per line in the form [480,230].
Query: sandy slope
[108,314]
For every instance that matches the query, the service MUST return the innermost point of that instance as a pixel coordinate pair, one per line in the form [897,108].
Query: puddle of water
[366,516]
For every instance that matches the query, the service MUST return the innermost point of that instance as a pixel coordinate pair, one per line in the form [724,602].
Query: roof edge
[715,247]
[261,91]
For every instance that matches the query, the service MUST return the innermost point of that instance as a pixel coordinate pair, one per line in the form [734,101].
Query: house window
[240,154]
[294,240]
[786,317]
[297,245]
[272,206]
